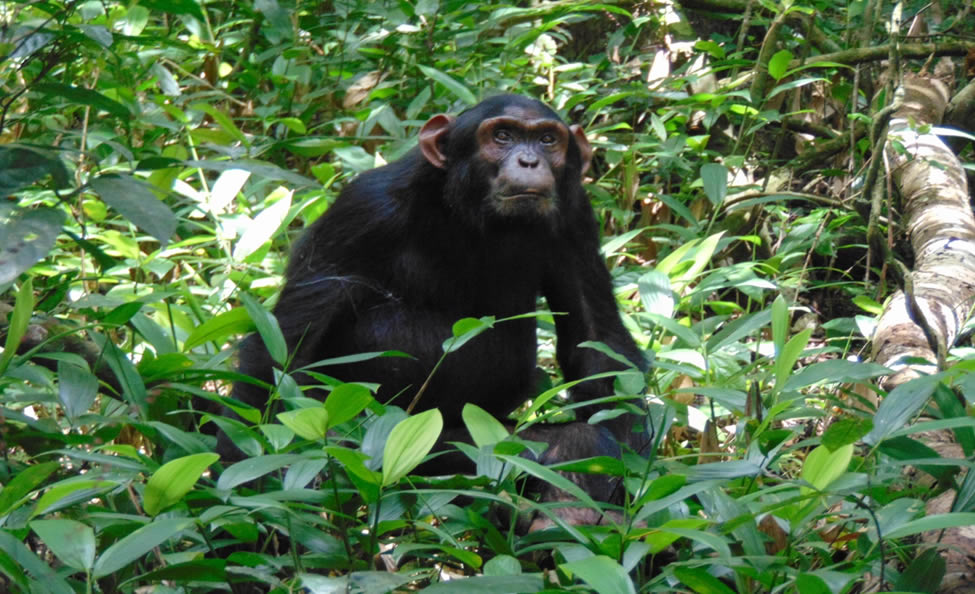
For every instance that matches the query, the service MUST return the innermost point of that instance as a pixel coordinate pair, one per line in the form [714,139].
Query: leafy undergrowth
[161,158]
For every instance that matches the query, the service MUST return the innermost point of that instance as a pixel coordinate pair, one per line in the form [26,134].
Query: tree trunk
[923,320]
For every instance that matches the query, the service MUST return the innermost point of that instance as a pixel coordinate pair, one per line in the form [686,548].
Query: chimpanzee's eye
[503,135]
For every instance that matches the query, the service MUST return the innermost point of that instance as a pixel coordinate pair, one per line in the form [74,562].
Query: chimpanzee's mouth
[524,195]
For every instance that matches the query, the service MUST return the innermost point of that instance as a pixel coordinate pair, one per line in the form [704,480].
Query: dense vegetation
[158,158]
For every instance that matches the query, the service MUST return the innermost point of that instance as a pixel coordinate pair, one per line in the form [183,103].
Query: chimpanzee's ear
[585,149]
[433,134]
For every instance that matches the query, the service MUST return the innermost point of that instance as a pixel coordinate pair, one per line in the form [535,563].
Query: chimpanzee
[485,215]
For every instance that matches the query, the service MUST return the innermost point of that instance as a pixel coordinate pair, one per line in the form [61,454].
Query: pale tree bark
[923,320]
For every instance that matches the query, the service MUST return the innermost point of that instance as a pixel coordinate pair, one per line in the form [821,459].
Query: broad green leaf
[136,200]
[22,483]
[930,523]
[77,388]
[226,188]
[300,474]
[222,120]
[483,427]
[924,574]
[21,166]
[198,570]
[356,581]
[19,321]
[133,546]
[455,87]
[737,329]
[268,328]
[264,225]
[71,541]
[823,466]
[780,323]
[900,406]
[702,582]
[26,236]
[308,423]
[502,565]
[807,583]
[174,479]
[788,357]
[835,371]
[488,584]
[354,462]
[845,432]
[85,97]
[664,536]
[604,575]
[715,178]
[68,492]
[133,388]
[219,327]
[259,168]
[345,402]
[779,63]
[409,442]
[18,553]
[464,330]
[655,293]
[687,261]
[253,468]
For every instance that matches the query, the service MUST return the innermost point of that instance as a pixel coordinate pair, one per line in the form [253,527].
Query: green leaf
[354,462]
[219,327]
[486,584]
[823,466]
[715,179]
[788,357]
[345,402]
[807,583]
[408,443]
[22,483]
[185,7]
[199,570]
[603,574]
[484,428]
[780,323]
[174,479]
[133,546]
[309,423]
[253,468]
[664,535]
[835,371]
[655,293]
[464,330]
[900,406]
[222,120]
[845,432]
[19,321]
[77,388]
[924,574]
[68,492]
[929,523]
[26,236]
[263,227]
[136,200]
[779,63]
[71,541]
[699,580]
[268,328]
[458,89]
[85,97]
[21,166]
[25,558]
